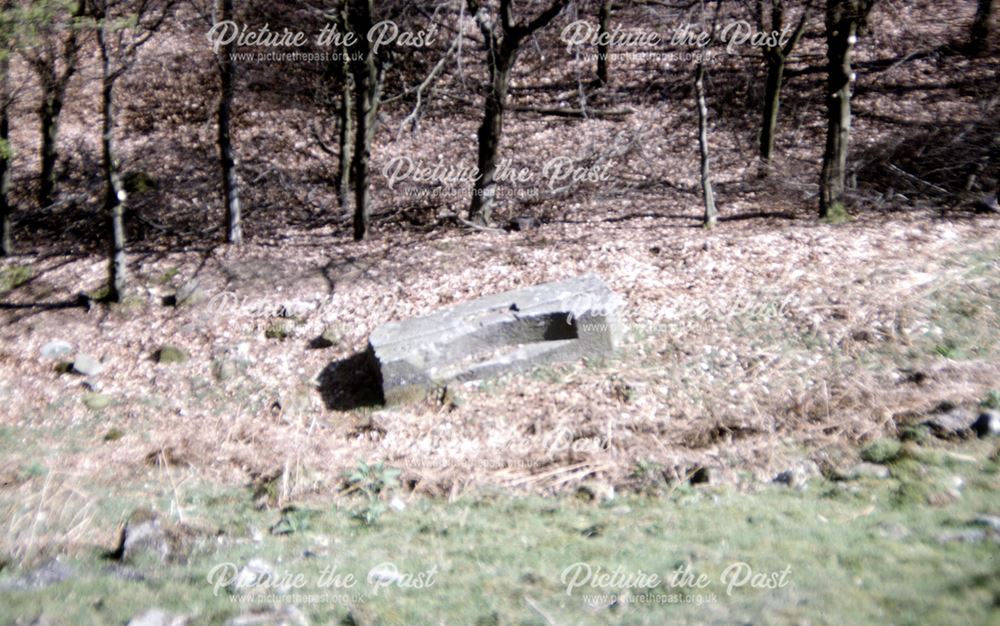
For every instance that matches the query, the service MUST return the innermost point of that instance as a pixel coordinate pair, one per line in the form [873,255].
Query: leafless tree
[502,38]
[122,27]
[843,20]
[53,56]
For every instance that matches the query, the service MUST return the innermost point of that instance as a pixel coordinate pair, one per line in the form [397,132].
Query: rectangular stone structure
[496,334]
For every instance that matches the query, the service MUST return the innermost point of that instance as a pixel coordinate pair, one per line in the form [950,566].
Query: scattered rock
[91,384]
[867,470]
[144,534]
[171,354]
[798,476]
[522,223]
[55,350]
[790,478]
[297,309]
[987,424]
[282,616]
[397,504]
[255,572]
[991,522]
[951,422]
[86,365]
[968,535]
[896,532]
[51,572]
[157,617]
[277,330]
[97,401]
[596,490]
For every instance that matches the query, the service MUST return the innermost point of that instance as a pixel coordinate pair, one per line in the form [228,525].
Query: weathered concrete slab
[496,334]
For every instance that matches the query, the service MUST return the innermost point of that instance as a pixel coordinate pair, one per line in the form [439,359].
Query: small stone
[92,384]
[97,401]
[971,535]
[51,572]
[157,617]
[296,309]
[397,504]
[143,534]
[385,574]
[596,490]
[282,616]
[86,365]
[896,532]
[255,572]
[991,522]
[55,350]
[798,476]
[522,223]
[954,423]
[868,470]
[171,354]
[987,424]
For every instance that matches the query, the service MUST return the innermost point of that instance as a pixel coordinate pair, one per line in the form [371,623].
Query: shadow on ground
[349,384]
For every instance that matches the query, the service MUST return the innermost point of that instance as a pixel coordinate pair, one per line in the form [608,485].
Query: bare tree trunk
[48,114]
[6,234]
[980,32]
[346,120]
[367,93]
[490,131]
[604,16]
[114,195]
[711,213]
[776,57]
[230,182]
[772,102]
[502,40]
[54,82]
[842,17]
[6,227]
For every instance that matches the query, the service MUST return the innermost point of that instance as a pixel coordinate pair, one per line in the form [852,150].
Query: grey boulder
[496,334]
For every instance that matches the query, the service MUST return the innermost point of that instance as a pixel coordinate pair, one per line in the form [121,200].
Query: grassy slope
[500,559]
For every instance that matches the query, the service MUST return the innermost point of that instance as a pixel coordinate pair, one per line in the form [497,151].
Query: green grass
[278,330]
[13,277]
[991,401]
[171,354]
[847,552]
[837,214]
